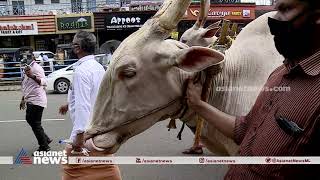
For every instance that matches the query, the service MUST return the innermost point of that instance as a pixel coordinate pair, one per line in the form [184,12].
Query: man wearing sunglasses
[281,123]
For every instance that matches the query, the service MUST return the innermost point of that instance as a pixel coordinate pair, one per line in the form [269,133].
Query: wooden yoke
[206,89]
[224,32]
[208,82]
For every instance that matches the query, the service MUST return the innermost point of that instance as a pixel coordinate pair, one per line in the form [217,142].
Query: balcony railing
[61,8]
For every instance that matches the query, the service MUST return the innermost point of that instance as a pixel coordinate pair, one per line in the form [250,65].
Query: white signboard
[18,28]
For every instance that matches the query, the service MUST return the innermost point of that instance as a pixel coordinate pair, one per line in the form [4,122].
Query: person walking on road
[87,76]
[34,100]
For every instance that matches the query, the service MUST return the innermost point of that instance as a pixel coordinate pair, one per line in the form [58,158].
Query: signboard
[126,21]
[73,23]
[223,12]
[220,1]
[18,28]
[225,1]
[145,6]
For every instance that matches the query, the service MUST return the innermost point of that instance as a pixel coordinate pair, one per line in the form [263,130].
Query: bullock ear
[197,58]
[208,33]
[212,30]
[214,25]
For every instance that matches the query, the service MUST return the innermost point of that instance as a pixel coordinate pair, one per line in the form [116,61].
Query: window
[55,1]
[50,55]
[76,5]
[38,1]
[91,5]
[18,7]
[70,68]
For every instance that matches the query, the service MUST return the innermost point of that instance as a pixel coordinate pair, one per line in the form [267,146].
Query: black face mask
[292,42]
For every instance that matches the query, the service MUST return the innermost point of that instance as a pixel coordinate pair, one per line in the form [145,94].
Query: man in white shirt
[87,76]
[48,65]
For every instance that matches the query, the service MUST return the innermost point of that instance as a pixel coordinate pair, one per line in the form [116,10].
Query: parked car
[60,80]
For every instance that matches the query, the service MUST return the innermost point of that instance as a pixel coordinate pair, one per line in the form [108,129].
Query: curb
[10,88]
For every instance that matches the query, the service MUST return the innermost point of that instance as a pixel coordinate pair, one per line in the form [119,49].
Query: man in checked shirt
[281,123]
[34,99]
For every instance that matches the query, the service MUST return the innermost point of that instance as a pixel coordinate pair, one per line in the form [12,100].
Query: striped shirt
[292,92]
[33,92]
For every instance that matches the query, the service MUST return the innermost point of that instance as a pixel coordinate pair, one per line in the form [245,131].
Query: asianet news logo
[50,157]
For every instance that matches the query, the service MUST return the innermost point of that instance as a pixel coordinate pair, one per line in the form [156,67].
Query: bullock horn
[171,12]
[203,14]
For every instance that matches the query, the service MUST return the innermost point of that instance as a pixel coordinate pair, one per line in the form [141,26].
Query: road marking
[22,120]
[6,160]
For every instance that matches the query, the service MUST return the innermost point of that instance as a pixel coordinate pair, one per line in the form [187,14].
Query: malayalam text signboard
[223,12]
[18,28]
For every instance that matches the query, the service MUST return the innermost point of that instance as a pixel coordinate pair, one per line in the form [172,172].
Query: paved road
[156,141]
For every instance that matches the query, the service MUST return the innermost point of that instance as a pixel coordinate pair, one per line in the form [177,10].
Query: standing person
[88,74]
[35,100]
[44,57]
[47,63]
[281,123]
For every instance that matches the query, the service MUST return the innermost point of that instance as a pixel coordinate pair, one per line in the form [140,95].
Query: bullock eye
[183,41]
[127,73]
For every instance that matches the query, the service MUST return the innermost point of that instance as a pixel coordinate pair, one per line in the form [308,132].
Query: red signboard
[223,12]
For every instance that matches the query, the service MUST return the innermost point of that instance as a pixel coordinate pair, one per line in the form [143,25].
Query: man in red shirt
[285,119]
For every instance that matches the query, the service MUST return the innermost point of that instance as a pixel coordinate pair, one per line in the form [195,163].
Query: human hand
[22,105]
[193,94]
[63,109]
[78,143]
[28,72]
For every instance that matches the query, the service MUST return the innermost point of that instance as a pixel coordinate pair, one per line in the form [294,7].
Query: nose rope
[155,111]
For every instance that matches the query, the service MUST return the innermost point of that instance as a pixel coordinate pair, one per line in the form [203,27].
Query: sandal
[193,150]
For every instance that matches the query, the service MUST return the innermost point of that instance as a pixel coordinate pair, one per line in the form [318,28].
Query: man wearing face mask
[281,123]
[87,77]
[34,100]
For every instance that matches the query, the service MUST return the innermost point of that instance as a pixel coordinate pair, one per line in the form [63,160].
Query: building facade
[48,23]
[43,7]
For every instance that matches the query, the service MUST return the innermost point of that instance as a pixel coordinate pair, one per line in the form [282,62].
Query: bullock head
[144,82]
[197,35]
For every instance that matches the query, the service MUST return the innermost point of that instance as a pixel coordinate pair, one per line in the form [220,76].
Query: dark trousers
[33,117]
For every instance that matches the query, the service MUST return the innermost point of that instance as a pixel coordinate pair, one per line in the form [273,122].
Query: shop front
[119,25]
[33,31]
[241,14]
[66,27]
